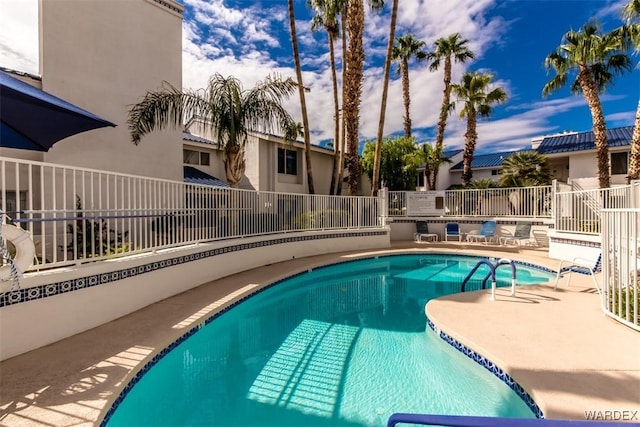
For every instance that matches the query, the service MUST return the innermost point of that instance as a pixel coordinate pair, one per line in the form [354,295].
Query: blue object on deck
[32,119]
[470,421]
[452,229]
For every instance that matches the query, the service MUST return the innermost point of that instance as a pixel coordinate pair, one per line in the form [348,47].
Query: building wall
[583,165]
[253,160]
[104,56]
[559,168]
[446,178]
[216,159]
[478,174]
[33,324]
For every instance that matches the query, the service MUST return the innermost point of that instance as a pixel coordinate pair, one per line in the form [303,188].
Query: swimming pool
[340,345]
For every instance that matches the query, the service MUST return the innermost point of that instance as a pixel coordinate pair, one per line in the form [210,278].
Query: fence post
[383,206]
[554,191]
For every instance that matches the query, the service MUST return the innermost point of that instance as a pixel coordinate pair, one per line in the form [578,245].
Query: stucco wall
[143,280]
[104,56]
[583,165]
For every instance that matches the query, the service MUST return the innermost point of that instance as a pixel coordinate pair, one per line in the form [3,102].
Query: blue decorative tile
[495,370]
[52,289]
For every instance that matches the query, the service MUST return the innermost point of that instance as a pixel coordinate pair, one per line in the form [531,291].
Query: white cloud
[249,43]
[19,35]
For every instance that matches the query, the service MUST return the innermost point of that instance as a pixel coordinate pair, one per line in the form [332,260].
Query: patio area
[557,344]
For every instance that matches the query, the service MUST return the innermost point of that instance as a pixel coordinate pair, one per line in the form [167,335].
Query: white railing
[78,215]
[531,202]
[621,265]
[580,211]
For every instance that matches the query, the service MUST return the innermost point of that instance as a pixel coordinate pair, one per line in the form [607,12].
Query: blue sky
[250,38]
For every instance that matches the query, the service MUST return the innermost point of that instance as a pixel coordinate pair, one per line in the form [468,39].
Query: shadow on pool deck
[558,345]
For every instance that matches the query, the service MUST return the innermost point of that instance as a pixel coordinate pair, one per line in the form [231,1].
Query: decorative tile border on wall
[575,242]
[491,367]
[57,288]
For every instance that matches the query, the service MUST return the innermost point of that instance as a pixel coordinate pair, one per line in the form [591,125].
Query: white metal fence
[78,215]
[580,211]
[621,265]
[531,202]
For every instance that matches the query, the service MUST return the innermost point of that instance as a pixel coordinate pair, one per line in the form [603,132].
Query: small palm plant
[225,107]
[525,169]
[430,157]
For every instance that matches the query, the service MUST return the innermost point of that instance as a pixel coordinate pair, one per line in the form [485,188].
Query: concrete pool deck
[556,344]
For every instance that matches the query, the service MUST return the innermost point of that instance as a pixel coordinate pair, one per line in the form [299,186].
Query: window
[495,172]
[204,158]
[193,157]
[619,163]
[287,161]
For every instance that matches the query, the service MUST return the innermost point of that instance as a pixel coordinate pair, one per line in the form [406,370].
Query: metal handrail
[492,274]
[472,421]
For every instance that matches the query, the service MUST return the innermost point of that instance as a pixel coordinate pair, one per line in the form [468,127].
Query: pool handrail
[492,274]
[473,421]
[504,261]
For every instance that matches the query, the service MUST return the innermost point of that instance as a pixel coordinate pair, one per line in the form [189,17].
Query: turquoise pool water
[343,345]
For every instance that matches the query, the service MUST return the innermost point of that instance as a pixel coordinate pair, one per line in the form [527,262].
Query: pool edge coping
[136,374]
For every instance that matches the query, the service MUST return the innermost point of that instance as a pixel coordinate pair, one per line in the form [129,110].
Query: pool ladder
[492,274]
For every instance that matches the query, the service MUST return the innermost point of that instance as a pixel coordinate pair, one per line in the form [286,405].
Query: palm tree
[225,107]
[343,125]
[525,169]
[326,16]
[474,91]
[407,48]
[303,103]
[352,85]
[430,157]
[375,182]
[595,58]
[447,49]
[292,132]
[631,14]
[354,62]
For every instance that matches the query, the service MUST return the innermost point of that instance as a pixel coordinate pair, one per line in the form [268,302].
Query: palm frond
[554,84]
[166,108]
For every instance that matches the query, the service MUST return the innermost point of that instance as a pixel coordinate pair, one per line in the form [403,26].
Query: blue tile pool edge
[159,355]
[491,367]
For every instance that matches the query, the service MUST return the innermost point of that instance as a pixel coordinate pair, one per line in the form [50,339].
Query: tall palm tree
[354,61]
[352,85]
[225,107]
[631,14]
[375,181]
[478,98]
[406,48]
[595,58]
[343,125]
[447,49]
[326,17]
[303,103]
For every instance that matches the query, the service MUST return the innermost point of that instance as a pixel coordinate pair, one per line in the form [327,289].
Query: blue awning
[33,119]
[196,176]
